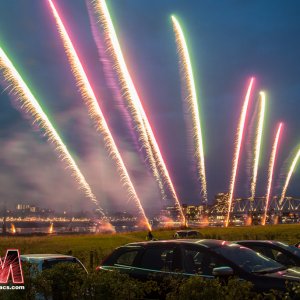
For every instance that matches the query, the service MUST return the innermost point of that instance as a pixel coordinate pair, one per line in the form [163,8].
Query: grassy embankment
[103,244]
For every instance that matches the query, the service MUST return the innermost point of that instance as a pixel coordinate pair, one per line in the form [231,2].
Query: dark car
[206,258]
[181,234]
[288,256]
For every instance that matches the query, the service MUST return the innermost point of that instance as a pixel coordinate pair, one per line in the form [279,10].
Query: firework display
[192,104]
[95,111]
[289,175]
[146,135]
[237,150]
[257,146]
[125,77]
[271,170]
[229,209]
[30,106]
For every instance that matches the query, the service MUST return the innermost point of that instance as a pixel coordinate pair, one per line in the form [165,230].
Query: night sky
[229,41]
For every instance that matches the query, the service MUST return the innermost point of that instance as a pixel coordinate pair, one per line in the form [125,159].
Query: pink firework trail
[96,112]
[271,170]
[146,135]
[109,74]
[238,144]
[117,88]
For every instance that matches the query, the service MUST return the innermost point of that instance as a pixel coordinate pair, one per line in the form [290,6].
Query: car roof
[44,256]
[261,242]
[208,243]
[191,230]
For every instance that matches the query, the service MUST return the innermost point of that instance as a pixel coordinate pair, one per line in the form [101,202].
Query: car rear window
[127,258]
[48,264]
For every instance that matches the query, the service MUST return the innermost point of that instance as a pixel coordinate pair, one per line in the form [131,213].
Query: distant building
[33,209]
[24,207]
[170,211]
[221,204]
[194,212]
[27,208]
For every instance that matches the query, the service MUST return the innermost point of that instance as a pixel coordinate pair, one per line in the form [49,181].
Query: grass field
[102,244]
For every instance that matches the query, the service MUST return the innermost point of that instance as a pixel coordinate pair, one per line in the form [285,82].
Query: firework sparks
[13,228]
[257,145]
[192,103]
[288,178]
[271,171]
[95,111]
[30,105]
[237,150]
[51,229]
[143,126]
[135,116]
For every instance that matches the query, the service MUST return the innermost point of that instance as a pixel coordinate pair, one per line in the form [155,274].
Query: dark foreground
[62,282]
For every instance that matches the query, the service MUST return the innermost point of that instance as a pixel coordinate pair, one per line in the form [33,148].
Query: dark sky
[229,41]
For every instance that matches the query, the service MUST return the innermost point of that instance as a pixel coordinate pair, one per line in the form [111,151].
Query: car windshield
[248,259]
[292,249]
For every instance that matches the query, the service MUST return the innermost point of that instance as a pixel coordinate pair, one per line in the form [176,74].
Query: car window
[199,261]
[48,264]
[192,233]
[166,259]
[266,251]
[182,234]
[283,258]
[247,259]
[127,258]
[292,249]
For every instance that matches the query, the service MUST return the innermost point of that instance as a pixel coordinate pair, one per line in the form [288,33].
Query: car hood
[292,274]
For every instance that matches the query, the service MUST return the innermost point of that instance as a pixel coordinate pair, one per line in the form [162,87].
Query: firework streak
[288,178]
[257,145]
[30,106]
[146,136]
[95,111]
[237,150]
[143,137]
[271,171]
[192,103]
[147,146]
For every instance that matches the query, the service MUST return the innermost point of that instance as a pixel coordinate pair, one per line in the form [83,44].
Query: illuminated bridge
[246,205]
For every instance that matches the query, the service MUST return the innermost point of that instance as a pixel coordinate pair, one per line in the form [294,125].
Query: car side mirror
[222,272]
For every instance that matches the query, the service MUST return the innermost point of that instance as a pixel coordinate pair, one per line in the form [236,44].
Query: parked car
[47,261]
[182,234]
[206,258]
[288,256]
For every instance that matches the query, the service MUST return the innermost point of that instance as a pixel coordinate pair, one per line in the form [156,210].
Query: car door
[158,261]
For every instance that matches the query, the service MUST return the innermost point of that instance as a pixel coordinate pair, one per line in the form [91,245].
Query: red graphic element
[11,266]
